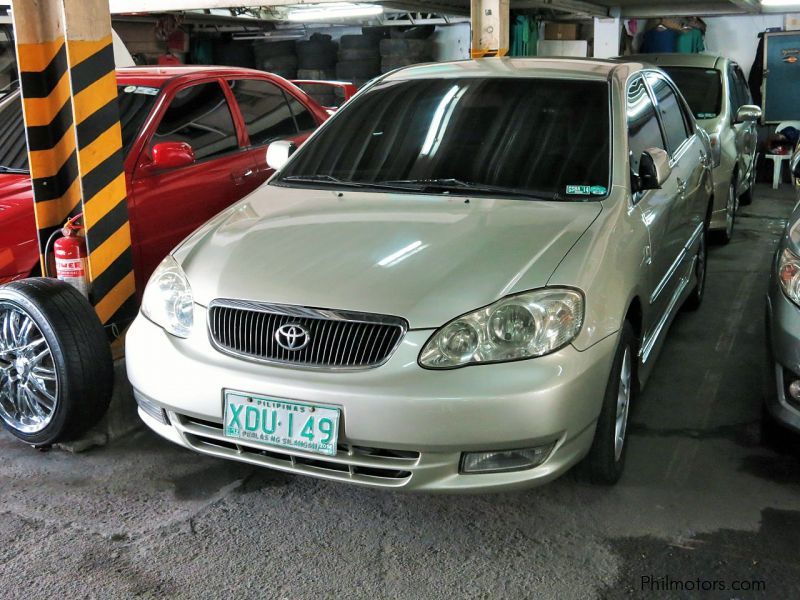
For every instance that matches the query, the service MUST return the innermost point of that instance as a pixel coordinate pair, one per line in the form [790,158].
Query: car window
[266,112]
[702,89]
[200,116]
[734,91]
[305,120]
[643,129]
[741,85]
[543,137]
[670,110]
[135,104]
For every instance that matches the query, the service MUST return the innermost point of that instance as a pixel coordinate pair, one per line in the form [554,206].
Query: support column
[69,97]
[100,159]
[490,27]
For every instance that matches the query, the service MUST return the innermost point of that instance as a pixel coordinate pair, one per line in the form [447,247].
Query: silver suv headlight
[167,299]
[516,327]
[789,275]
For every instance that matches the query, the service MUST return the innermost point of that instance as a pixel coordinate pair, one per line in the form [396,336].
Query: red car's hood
[19,251]
[15,190]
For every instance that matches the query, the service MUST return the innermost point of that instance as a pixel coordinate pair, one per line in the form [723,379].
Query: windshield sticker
[587,190]
[140,89]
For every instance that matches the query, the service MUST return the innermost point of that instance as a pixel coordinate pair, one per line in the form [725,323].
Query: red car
[194,140]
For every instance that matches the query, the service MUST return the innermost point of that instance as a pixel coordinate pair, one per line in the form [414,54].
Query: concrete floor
[701,498]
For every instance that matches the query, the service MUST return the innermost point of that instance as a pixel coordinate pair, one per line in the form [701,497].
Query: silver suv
[717,92]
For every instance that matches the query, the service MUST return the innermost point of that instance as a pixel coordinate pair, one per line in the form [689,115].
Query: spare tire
[392,63]
[317,54]
[56,370]
[317,74]
[408,48]
[358,42]
[360,54]
[264,50]
[361,69]
[279,63]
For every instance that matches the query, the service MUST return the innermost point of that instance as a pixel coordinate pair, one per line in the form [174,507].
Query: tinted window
[305,120]
[199,115]
[669,107]
[135,104]
[537,136]
[266,113]
[643,129]
[702,89]
[743,91]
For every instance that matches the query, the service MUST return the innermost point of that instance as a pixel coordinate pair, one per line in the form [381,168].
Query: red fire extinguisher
[70,251]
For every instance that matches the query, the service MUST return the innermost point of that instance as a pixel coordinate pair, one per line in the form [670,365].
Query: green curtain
[524,36]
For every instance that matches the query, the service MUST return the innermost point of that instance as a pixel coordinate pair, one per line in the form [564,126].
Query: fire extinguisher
[70,251]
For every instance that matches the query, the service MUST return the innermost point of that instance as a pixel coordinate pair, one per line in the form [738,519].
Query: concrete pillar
[490,28]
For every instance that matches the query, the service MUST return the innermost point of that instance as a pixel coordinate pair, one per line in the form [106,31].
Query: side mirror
[654,169]
[278,153]
[170,155]
[748,113]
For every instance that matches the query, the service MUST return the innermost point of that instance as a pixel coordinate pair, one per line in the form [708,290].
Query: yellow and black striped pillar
[69,90]
[100,159]
[47,109]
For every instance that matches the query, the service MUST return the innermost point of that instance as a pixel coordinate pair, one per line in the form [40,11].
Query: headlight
[516,327]
[789,275]
[168,299]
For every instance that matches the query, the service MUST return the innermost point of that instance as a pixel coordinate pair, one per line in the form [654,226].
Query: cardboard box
[560,31]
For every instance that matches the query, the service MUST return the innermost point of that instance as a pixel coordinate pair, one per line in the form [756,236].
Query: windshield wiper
[335,181]
[457,185]
[13,170]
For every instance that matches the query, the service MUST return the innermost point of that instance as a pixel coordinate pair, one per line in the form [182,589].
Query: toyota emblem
[292,337]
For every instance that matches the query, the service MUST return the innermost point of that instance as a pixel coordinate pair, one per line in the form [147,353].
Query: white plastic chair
[778,159]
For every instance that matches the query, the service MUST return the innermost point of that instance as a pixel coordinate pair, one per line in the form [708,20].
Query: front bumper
[401,426]
[783,340]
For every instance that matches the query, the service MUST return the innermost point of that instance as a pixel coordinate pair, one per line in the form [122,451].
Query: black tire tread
[83,351]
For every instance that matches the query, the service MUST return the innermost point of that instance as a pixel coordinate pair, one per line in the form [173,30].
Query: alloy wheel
[730,210]
[623,404]
[28,378]
[700,268]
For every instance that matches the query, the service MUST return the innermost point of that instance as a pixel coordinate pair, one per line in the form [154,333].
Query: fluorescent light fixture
[334,11]
[781,3]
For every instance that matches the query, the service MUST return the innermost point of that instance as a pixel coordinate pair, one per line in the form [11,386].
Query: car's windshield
[509,137]
[702,89]
[135,103]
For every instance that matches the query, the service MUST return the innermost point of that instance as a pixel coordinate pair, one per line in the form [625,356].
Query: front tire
[724,236]
[56,370]
[606,459]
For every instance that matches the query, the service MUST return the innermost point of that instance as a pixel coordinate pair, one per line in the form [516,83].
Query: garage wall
[737,37]
[451,42]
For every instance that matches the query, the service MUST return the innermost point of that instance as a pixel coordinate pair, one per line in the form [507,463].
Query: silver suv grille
[303,337]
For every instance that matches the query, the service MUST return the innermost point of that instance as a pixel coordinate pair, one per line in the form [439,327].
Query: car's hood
[15,191]
[425,258]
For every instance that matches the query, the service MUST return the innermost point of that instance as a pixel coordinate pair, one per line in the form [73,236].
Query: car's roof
[561,68]
[157,75]
[702,61]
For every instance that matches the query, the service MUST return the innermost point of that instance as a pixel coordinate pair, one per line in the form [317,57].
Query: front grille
[335,339]
[355,464]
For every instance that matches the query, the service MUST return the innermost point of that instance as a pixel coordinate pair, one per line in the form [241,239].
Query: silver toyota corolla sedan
[717,92]
[459,283]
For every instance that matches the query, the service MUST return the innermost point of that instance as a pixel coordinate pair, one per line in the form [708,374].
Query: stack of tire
[402,52]
[359,59]
[277,57]
[316,57]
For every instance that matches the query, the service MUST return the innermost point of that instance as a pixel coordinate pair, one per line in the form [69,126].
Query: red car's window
[200,116]
[265,110]
[305,120]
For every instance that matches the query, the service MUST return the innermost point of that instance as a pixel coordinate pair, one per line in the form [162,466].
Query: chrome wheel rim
[623,404]
[730,211]
[701,264]
[28,378]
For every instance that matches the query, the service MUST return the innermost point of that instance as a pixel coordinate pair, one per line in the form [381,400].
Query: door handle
[240,176]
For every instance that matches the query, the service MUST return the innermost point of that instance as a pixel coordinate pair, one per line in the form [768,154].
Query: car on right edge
[717,92]
[782,402]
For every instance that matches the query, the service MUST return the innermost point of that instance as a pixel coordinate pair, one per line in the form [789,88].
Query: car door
[746,133]
[169,203]
[269,113]
[654,206]
[687,158]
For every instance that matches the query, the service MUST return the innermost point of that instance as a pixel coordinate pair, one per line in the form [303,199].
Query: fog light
[151,408]
[500,461]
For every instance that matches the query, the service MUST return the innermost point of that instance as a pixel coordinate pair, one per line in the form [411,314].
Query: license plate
[276,422]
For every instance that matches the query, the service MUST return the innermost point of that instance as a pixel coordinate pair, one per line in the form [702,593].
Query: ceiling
[623,8]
